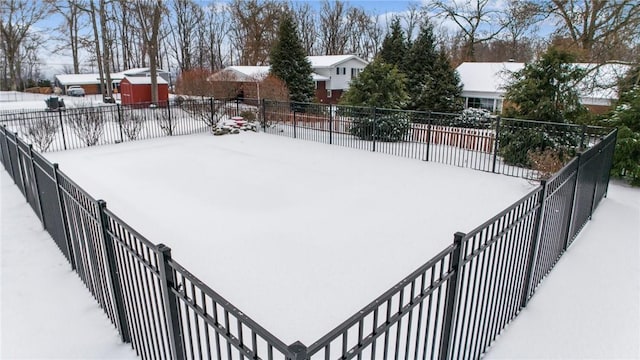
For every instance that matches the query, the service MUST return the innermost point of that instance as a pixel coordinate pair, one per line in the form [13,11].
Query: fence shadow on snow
[452,307]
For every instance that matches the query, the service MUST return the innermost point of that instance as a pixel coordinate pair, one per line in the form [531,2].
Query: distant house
[338,70]
[91,82]
[332,75]
[137,90]
[484,84]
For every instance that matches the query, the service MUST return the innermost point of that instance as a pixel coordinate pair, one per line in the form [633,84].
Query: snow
[296,234]
[45,312]
[327,61]
[588,307]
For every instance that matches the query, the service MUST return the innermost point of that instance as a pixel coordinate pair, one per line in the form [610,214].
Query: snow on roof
[78,79]
[143,80]
[487,77]
[492,78]
[331,60]
[138,71]
[252,73]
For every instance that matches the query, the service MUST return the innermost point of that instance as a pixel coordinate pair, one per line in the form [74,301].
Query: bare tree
[216,29]
[254,29]
[187,19]
[149,14]
[477,20]
[17,17]
[333,28]
[597,27]
[71,27]
[522,19]
[305,18]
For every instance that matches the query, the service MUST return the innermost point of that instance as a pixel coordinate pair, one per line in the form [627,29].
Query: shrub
[87,123]
[42,132]
[385,127]
[547,162]
[131,125]
[164,121]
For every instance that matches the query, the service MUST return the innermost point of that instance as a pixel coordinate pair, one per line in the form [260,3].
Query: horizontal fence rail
[452,307]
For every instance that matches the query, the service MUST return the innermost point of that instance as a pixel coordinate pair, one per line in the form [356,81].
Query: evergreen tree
[395,46]
[380,84]
[446,87]
[432,83]
[420,62]
[546,89]
[626,117]
[289,61]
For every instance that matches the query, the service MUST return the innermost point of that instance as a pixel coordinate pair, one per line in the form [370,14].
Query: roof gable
[328,61]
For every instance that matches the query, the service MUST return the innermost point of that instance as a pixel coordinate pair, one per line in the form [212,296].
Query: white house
[339,70]
[484,84]
[332,75]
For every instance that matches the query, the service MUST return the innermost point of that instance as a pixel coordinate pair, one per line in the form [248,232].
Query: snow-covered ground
[45,312]
[13,100]
[585,309]
[589,306]
[298,235]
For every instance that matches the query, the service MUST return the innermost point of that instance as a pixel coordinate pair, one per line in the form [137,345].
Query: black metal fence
[113,123]
[452,307]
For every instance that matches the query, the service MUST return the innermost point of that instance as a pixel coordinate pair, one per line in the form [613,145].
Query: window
[337,71]
[344,71]
[481,103]
[329,93]
[355,72]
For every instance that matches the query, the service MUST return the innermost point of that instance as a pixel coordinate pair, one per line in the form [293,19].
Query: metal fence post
[20,168]
[583,136]
[595,186]
[112,276]
[237,107]
[429,120]
[212,108]
[452,297]
[375,130]
[573,205]
[294,123]
[171,307]
[298,351]
[63,215]
[330,124]
[535,245]
[64,139]
[6,142]
[120,122]
[170,117]
[495,145]
[37,187]
[264,115]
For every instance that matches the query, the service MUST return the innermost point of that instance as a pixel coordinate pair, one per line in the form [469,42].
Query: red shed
[137,90]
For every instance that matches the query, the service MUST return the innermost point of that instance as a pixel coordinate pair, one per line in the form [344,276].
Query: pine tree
[395,46]
[289,61]
[446,87]
[380,84]
[432,83]
[546,89]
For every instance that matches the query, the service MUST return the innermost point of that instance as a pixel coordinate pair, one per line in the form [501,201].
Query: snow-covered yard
[298,235]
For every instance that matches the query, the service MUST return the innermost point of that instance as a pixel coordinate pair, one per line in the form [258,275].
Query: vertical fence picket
[63,216]
[120,121]
[496,141]
[64,138]
[112,275]
[171,307]
[535,244]
[452,298]
[572,211]
[36,188]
